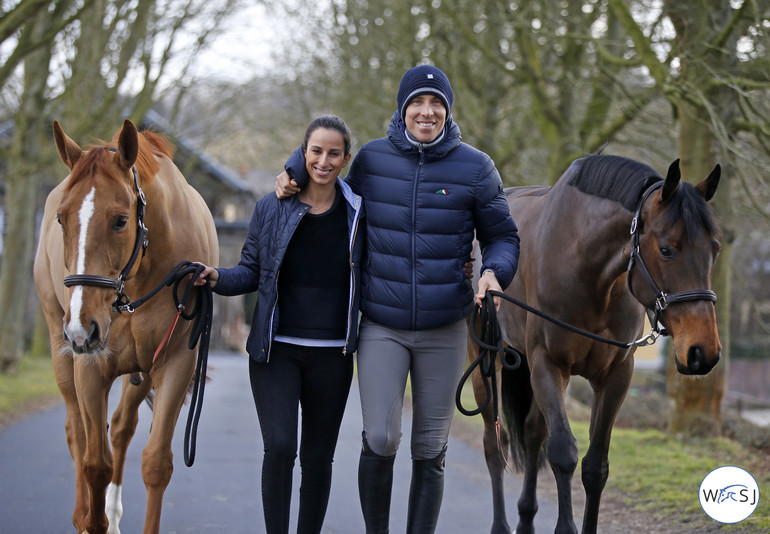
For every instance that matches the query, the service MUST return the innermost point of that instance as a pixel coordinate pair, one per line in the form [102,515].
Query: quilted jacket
[423,204]
[271,227]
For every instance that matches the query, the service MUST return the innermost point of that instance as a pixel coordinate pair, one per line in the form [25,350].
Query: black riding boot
[375,482]
[425,494]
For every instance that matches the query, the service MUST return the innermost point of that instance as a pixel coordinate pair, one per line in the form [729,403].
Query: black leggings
[318,379]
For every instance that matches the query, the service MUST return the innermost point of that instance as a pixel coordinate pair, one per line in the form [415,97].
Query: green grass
[659,475]
[32,385]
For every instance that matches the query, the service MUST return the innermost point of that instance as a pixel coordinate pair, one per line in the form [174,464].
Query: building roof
[187,149]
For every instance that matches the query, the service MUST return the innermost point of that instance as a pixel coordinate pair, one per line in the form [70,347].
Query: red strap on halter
[167,338]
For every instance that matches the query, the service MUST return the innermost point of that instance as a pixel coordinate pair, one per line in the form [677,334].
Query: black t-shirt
[314,282]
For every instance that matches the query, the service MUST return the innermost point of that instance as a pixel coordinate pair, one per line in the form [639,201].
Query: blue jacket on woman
[271,227]
[423,204]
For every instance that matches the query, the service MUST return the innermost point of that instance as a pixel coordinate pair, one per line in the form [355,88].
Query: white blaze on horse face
[75,330]
[113,507]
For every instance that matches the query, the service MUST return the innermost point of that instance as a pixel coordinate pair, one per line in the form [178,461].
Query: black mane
[615,178]
[625,180]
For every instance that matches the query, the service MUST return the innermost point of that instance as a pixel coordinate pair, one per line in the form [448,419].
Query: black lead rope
[491,345]
[490,342]
[200,335]
[564,325]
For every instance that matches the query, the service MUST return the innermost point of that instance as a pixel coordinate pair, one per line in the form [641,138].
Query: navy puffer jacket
[270,230]
[423,203]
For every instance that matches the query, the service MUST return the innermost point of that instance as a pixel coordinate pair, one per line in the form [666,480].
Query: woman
[302,255]
[427,195]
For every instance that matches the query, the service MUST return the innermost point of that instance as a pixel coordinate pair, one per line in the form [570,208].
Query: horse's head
[97,214]
[679,247]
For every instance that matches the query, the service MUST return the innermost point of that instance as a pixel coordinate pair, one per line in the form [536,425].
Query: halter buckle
[122,302]
[661,302]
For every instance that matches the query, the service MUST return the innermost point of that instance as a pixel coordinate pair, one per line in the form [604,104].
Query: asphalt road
[220,492]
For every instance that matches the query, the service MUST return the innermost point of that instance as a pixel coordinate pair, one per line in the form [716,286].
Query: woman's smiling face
[325,155]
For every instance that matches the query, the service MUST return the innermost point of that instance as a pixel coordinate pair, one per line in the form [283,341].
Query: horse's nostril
[695,358]
[93,336]
[696,361]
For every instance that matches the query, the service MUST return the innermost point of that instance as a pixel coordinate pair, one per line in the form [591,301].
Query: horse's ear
[672,182]
[708,186]
[128,145]
[69,151]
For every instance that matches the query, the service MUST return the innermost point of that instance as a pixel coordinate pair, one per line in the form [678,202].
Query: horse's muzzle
[86,342]
[697,362]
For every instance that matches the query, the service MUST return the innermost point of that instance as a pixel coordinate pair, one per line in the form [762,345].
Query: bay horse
[579,264]
[116,226]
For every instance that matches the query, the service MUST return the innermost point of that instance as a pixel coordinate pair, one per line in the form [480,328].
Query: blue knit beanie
[421,80]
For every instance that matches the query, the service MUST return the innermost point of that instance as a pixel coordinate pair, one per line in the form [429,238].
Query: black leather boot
[375,482]
[425,494]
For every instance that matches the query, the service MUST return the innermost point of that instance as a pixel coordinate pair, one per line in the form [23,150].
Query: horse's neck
[595,232]
[167,215]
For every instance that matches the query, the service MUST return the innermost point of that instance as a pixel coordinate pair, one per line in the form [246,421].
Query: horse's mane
[615,178]
[98,158]
[625,180]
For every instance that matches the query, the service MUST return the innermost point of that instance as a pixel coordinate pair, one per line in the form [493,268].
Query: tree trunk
[706,130]
[697,402]
[22,186]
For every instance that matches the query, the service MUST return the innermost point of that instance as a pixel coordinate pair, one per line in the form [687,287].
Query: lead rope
[200,335]
[490,342]
[649,339]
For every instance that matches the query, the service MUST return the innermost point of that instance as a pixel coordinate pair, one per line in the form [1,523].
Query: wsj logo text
[735,493]
[729,494]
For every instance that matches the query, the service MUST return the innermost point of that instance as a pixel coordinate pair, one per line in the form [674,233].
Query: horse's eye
[120,223]
[666,253]
[58,219]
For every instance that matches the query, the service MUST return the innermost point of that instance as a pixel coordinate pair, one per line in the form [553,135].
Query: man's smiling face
[425,116]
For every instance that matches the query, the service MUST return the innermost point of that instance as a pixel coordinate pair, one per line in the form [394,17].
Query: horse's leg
[170,380]
[93,388]
[495,452]
[534,435]
[122,429]
[595,465]
[73,425]
[549,384]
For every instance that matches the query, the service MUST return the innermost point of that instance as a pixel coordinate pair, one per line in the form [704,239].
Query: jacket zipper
[353,236]
[421,160]
[275,304]
[272,319]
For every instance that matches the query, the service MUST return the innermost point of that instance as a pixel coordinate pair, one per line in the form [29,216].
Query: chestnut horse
[94,244]
[579,265]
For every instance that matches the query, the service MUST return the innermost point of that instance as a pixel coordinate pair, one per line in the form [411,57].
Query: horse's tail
[516,398]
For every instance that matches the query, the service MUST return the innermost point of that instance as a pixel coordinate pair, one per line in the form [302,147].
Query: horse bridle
[662,299]
[121,302]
